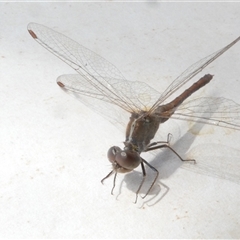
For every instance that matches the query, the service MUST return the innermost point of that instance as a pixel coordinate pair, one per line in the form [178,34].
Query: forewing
[103,78]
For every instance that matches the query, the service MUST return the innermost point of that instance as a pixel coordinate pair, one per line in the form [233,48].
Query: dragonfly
[99,84]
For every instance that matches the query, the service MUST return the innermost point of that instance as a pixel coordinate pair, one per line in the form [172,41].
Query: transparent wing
[210,110]
[80,88]
[189,73]
[100,80]
[103,78]
[143,95]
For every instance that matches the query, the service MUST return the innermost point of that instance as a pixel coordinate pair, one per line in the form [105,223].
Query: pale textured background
[53,148]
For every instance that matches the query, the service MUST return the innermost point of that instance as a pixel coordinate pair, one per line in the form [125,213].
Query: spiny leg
[109,174]
[166,142]
[114,182]
[114,179]
[166,145]
[143,179]
[144,176]
[155,179]
[150,148]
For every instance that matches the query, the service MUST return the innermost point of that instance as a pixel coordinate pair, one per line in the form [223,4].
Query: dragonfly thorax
[141,129]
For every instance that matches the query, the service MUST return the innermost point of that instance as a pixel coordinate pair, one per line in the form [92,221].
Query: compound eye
[128,159]
[112,153]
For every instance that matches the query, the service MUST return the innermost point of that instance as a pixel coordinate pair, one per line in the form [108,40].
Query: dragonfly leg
[166,142]
[109,174]
[143,179]
[114,179]
[114,182]
[167,146]
[155,179]
[144,176]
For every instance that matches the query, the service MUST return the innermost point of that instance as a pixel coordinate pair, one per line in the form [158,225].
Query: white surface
[53,148]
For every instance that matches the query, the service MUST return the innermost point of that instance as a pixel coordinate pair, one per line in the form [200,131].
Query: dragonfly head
[123,160]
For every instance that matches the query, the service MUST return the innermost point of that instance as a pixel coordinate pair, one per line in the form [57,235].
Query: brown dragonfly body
[143,126]
[141,129]
[98,79]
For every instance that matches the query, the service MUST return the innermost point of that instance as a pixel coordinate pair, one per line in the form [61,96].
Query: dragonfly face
[123,160]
